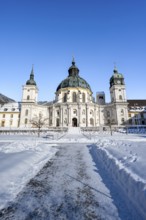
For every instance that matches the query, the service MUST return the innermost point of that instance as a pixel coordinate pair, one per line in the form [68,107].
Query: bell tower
[30,90]
[117,87]
[118,98]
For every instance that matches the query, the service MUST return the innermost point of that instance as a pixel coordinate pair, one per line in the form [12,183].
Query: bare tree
[38,122]
[110,123]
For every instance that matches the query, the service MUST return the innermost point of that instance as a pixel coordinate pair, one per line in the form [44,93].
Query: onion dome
[31,80]
[117,78]
[73,79]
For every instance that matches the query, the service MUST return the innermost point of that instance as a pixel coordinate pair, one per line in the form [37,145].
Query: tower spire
[31,80]
[73,61]
[115,68]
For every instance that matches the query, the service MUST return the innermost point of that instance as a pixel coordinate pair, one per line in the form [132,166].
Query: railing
[31,130]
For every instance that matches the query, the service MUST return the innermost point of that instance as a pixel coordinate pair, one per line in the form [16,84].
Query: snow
[112,167]
[20,161]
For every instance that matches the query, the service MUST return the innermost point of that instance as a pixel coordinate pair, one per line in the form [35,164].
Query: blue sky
[47,33]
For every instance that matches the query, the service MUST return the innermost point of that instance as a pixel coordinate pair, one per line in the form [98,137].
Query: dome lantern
[73,80]
[73,70]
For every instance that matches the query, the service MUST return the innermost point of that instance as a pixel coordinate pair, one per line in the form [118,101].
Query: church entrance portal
[74,122]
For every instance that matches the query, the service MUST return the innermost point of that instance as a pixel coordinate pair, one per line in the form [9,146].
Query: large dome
[73,79]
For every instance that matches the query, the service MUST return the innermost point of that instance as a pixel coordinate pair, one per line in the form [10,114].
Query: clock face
[118,82]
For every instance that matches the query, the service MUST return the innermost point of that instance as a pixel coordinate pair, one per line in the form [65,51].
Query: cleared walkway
[67,188]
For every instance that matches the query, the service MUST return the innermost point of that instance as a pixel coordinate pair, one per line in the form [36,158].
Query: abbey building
[74,104]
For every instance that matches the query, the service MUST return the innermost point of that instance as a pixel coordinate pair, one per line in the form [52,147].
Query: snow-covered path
[68,187]
[76,176]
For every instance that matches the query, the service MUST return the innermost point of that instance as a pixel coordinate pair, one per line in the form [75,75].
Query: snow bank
[132,187]
[20,161]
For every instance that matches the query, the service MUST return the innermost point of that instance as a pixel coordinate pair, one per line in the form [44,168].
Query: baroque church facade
[74,104]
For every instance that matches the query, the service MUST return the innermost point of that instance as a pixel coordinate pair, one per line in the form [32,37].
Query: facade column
[99,115]
[68,116]
[79,116]
[87,115]
[61,116]
[95,122]
[53,116]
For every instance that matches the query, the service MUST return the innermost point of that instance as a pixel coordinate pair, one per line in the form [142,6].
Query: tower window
[122,120]
[28,97]
[120,97]
[122,111]
[26,121]
[26,112]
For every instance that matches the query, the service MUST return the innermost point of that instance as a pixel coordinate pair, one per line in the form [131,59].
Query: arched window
[26,120]
[57,112]
[120,97]
[91,112]
[83,97]
[65,97]
[74,97]
[3,124]
[108,114]
[28,97]
[91,121]
[122,120]
[122,111]
[26,112]
[75,111]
